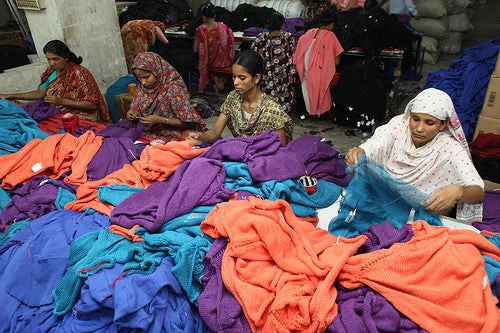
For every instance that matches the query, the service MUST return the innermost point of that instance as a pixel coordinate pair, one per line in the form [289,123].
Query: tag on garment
[36,167]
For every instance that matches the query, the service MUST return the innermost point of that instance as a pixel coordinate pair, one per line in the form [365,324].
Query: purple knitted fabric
[40,110]
[123,129]
[364,310]
[319,159]
[196,182]
[218,308]
[113,154]
[491,212]
[384,235]
[266,156]
[34,199]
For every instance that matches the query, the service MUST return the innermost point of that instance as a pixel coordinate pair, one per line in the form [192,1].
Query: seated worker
[214,41]
[247,111]
[277,47]
[426,148]
[316,57]
[139,36]
[161,101]
[67,85]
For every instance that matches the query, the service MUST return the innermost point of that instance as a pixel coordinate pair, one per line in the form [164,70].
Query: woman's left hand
[443,199]
[152,119]
[53,100]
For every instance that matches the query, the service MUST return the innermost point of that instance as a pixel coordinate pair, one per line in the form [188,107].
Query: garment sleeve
[374,146]
[228,104]
[257,43]
[462,166]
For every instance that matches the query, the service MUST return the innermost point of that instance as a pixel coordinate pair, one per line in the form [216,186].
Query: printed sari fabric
[216,51]
[168,98]
[279,70]
[77,83]
[267,116]
[138,36]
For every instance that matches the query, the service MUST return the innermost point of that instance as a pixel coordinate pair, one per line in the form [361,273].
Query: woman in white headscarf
[426,148]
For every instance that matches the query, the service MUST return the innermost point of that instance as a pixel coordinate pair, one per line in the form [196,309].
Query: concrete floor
[486,22]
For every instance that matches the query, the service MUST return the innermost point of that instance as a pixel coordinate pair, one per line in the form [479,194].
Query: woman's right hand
[132,115]
[352,155]
[193,136]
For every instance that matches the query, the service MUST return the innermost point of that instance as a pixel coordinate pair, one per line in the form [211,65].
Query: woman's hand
[132,115]
[5,96]
[444,199]
[193,136]
[352,155]
[153,119]
[53,100]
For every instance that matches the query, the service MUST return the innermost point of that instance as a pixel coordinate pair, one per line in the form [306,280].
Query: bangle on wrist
[166,121]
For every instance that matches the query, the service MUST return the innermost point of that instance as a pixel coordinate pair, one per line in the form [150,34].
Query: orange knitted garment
[156,163]
[437,279]
[280,269]
[51,157]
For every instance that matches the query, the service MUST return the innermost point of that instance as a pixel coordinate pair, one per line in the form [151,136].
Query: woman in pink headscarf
[426,148]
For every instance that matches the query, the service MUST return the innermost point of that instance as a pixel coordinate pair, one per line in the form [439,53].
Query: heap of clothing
[178,238]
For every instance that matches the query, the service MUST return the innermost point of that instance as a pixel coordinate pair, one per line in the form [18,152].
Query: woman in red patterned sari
[68,85]
[214,41]
[161,101]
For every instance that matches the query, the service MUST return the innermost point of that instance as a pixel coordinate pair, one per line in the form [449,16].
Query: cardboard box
[496,72]
[487,125]
[491,105]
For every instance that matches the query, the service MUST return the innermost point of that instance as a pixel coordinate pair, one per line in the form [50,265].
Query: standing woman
[276,47]
[161,101]
[140,36]
[316,57]
[214,41]
[68,85]
[247,111]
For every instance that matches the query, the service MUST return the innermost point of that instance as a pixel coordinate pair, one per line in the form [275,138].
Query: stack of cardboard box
[489,120]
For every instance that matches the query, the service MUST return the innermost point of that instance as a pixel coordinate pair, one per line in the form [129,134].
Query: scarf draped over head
[444,160]
[438,104]
[168,98]
[77,83]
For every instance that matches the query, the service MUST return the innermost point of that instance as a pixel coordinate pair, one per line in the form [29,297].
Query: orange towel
[156,163]
[437,279]
[280,269]
[51,157]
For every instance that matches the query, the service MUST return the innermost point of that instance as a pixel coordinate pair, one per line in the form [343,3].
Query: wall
[90,28]
[4,14]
